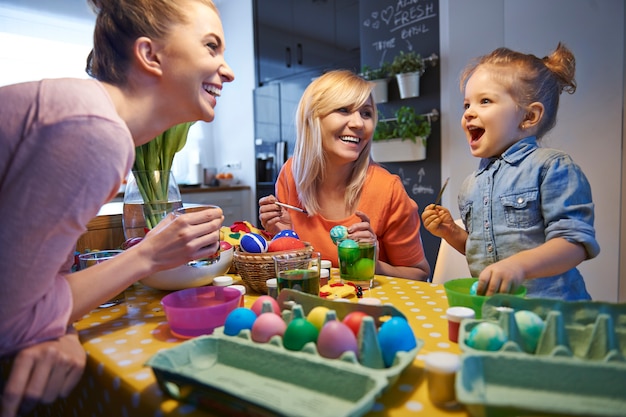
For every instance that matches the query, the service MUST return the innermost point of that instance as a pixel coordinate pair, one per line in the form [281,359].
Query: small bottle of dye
[324,277]
[272,288]
[222,281]
[242,289]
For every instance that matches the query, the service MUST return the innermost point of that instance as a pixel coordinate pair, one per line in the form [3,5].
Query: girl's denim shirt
[522,199]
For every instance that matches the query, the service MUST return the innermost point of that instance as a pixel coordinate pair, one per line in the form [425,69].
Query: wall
[589,125]
[232,131]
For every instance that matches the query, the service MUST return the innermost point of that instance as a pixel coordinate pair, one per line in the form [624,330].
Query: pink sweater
[65,152]
[393,216]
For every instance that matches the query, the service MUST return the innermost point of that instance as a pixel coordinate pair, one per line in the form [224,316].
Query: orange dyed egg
[285,243]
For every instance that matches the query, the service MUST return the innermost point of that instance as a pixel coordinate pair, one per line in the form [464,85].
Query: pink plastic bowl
[196,311]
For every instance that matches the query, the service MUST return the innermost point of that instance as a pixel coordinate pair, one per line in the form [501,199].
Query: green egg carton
[577,369]
[233,375]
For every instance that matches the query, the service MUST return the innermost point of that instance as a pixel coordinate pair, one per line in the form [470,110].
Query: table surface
[120,339]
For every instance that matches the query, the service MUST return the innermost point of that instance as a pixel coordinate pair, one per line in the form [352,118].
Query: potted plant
[408,68]
[402,138]
[380,77]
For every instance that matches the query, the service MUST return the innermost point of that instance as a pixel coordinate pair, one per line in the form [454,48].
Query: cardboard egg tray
[577,369]
[235,376]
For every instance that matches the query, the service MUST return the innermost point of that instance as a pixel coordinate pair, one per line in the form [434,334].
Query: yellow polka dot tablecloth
[120,339]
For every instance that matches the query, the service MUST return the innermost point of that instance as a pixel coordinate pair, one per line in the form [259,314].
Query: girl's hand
[274,218]
[504,276]
[42,373]
[438,221]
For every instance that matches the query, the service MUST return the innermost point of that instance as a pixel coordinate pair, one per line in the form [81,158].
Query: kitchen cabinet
[232,201]
[297,36]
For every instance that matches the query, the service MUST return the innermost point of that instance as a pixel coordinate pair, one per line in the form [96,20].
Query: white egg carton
[239,376]
[577,369]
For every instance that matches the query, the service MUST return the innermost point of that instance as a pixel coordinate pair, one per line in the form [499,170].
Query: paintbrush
[291,207]
[443,187]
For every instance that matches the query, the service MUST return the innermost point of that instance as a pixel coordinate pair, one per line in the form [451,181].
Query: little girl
[527,210]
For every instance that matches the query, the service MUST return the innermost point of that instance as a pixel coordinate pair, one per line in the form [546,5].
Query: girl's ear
[146,56]
[534,114]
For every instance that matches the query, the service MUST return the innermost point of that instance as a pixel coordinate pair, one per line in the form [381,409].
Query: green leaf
[158,155]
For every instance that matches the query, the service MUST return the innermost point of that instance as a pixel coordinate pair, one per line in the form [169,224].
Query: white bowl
[186,276]
[226,182]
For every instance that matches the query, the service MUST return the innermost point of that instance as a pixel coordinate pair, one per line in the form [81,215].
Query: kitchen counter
[191,189]
[106,231]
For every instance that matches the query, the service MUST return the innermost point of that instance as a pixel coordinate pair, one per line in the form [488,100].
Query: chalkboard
[388,27]
[391,26]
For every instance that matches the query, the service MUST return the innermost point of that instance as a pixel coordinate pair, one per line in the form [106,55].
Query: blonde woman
[332,177]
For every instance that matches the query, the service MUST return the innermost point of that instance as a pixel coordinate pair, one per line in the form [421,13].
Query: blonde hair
[530,79]
[120,22]
[331,91]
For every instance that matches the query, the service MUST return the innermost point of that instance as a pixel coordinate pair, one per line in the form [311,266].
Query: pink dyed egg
[334,339]
[266,326]
[257,306]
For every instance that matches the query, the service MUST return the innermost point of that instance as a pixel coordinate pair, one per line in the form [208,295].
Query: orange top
[393,215]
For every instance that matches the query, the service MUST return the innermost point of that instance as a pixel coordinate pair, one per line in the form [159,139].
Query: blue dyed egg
[338,233]
[253,243]
[239,319]
[286,233]
[395,335]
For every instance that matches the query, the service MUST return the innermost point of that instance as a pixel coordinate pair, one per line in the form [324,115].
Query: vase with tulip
[151,190]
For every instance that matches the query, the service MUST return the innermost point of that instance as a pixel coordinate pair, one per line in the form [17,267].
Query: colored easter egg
[530,326]
[285,243]
[395,335]
[363,269]
[338,233]
[349,252]
[299,332]
[266,326]
[317,316]
[253,243]
[474,288]
[239,319]
[334,339]
[353,320]
[286,233]
[486,336]
[257,306]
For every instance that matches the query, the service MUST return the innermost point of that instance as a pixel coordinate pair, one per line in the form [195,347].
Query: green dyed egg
[349,252]
[363,269]
[299,332]
[486,336]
